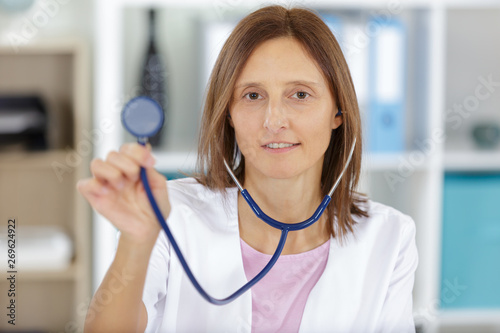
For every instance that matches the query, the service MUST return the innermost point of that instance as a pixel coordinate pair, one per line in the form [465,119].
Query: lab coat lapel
[326,307]
[221,273]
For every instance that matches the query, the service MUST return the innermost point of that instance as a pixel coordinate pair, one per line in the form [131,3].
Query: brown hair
[217,138]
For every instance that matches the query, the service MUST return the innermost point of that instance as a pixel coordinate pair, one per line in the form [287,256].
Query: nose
[276,118]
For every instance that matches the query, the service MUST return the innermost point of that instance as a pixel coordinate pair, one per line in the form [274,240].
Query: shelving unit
[476,26]
[429,85]
[36,194]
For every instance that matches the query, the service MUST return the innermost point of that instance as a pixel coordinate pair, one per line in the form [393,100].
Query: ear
[337,120]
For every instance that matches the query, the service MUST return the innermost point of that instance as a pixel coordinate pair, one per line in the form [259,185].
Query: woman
[271,113]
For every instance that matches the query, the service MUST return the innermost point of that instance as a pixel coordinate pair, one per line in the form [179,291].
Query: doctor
[271,112]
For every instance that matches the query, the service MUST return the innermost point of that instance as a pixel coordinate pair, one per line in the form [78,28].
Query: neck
[288,201]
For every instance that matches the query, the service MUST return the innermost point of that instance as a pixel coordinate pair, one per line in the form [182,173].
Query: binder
[215,34]
[470,268]
[349,33]
[386,123]
[356,51]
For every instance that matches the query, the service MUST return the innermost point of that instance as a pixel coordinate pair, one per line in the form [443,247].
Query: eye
[301,95]
[252,96]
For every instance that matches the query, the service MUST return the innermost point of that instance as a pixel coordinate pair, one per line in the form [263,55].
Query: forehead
[281,59]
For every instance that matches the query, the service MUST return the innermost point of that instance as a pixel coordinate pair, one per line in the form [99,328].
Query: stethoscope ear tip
[339,112]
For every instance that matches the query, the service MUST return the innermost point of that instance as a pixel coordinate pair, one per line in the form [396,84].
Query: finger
[106,173]
[155,178]
[138,153]
[125,164]
[91,187]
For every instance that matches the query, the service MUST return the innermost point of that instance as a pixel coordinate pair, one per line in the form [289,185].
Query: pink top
[279,299]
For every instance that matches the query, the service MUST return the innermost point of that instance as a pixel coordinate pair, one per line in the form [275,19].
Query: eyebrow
[257,84]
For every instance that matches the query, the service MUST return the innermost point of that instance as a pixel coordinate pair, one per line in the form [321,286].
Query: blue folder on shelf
[470,272]
[347,31]
[386,114]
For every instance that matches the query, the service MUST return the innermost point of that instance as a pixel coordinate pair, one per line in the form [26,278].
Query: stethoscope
[143,117]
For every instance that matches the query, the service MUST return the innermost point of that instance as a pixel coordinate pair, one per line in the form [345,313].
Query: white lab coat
[366,286]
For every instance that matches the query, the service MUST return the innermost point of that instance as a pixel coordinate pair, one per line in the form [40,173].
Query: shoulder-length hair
[217,138]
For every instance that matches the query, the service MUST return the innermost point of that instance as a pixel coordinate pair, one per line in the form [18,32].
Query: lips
[279,146]
[275,145]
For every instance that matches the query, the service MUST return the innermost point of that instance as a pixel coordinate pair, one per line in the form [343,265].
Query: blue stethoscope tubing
[284,227]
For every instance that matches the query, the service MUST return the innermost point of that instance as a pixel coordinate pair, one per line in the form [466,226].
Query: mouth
[280,145]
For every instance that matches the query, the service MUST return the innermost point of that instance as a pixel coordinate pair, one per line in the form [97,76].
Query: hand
[117,193]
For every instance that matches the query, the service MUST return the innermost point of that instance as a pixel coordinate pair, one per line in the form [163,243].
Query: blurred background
[427,77]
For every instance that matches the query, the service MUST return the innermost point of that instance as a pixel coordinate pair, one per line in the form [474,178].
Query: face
[282,111]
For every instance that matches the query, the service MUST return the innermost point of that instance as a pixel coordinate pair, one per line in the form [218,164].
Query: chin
[281,172]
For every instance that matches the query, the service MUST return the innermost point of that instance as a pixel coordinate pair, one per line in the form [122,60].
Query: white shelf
[175,161]
[470,317]
[472,161]
[415,160]
[186,161]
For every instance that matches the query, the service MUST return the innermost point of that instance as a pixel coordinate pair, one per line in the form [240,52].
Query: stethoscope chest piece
[143,117]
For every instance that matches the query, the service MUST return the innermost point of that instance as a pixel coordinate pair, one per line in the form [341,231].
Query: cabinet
[38,188]
[411,180]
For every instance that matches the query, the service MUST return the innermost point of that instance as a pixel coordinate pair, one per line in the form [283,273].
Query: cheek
[319,134]
[245,138]
[322,138]
[318,126]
